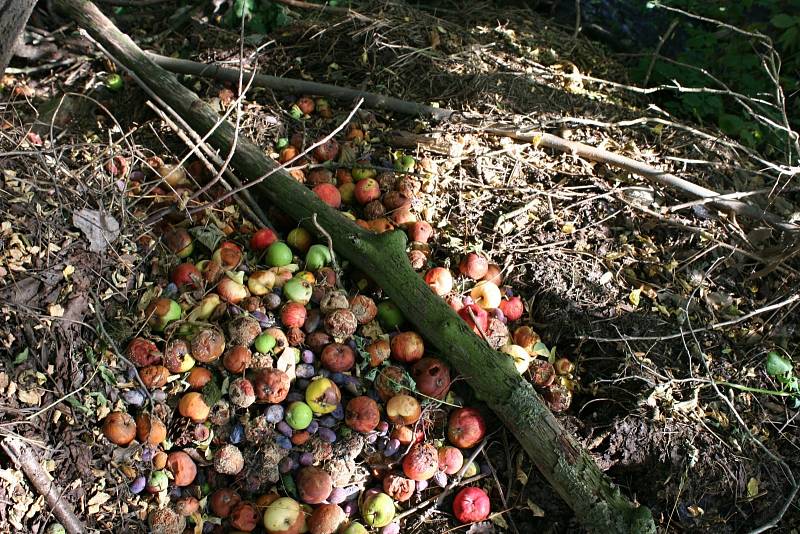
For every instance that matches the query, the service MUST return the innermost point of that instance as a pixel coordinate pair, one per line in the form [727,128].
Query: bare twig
[329,240]
[326,9]
[26,460]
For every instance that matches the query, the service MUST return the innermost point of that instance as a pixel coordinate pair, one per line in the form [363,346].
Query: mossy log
[597,503]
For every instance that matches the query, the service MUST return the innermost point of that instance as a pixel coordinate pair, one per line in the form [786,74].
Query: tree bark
[13,16]
[597,503]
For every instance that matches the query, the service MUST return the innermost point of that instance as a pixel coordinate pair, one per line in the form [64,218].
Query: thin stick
[26,460]
[325,9]
[289,85]
[547,140]
[328,238]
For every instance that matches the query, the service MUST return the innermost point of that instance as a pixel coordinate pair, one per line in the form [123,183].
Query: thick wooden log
[13,16]
[597,503]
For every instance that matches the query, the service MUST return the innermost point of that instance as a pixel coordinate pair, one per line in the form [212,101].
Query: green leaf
[783,21]
[777,365]
[22,356]
[540,349]
[209,236]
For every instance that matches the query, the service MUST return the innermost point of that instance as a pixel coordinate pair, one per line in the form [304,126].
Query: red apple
[439,280]
[481,321]
[421,462]
[329,194]
[367,190]
[420,231]
[262,239]
[474,266]
[466,427]
[185,275]
[407,347]
[512,308]
[471,504]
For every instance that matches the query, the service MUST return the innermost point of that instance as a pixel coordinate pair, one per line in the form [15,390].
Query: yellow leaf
[752,487]
[68,270]
[634,296]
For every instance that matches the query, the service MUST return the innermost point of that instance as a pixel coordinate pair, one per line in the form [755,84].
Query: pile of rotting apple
[278,392]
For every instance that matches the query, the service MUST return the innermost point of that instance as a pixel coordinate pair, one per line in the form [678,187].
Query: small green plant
[260,16]
[735,60]
[782,370]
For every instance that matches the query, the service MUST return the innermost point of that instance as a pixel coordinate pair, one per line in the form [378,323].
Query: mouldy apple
[208,345]
[245,517]
[323,396]
[432,377]
[177,357]
[403,410]
[471,504]
[228,460]
[182,467]
[313,485]
[362,414]
[165,520]
[179,242]
[143,352]
[161,312]
[237,359]
[119,428]
[421,462]
[271,385]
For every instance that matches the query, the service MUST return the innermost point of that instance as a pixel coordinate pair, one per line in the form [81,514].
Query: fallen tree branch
[598,504]
[653,174]
[26,460]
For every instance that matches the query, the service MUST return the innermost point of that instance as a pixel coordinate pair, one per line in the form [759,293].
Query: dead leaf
[535,509]
[99,228]
[752,487]
[499,521]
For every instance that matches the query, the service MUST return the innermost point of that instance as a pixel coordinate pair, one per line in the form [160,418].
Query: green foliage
[260,16]
[782,370]
[735,60]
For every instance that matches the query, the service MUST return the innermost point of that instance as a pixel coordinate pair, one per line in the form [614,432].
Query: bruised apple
[362,414]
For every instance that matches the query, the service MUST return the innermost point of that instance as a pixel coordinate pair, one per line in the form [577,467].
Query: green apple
[278,254]
[405,163]
[264,343]
[318,256]
[299,239]
[390,315]
[299,415]
[355,528]
[297,290]
[378,510]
